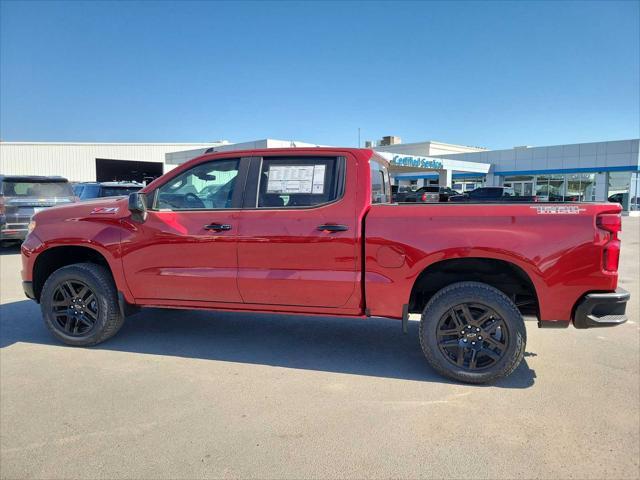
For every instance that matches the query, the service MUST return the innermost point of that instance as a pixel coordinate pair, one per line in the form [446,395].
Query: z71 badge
[559,210]
[104,210]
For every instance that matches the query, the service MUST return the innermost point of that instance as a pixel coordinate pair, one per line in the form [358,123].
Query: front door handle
[333,228]
[217,227]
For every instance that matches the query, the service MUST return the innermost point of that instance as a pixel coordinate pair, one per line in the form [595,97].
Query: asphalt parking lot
[180,394]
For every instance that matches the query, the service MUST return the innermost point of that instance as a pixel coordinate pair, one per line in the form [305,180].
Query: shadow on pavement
[372,347]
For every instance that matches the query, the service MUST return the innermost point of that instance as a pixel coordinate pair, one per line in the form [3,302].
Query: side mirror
[138,206]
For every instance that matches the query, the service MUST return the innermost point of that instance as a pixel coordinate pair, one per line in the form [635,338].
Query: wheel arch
[506,276]
[53,258]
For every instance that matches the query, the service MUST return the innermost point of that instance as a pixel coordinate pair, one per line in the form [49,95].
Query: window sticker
[318,179]
[292,179]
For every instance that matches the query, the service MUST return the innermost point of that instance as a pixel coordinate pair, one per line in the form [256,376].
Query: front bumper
[601,309]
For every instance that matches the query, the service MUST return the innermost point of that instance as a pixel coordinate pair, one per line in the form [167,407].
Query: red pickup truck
[314,231]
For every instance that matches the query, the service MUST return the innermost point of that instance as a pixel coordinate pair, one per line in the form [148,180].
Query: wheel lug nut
[477,329]
[479,338]
[473,343]
[464,340]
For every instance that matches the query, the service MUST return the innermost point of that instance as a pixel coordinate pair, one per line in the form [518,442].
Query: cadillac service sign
[416,162]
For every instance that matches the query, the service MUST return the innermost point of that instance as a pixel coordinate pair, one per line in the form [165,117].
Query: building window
[634,192]
[523,185]
[550,188]
[468,183]
[581,187]
[620,189]
[556,188]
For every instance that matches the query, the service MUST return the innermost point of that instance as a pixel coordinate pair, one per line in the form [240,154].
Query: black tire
[106,317]
[440,316]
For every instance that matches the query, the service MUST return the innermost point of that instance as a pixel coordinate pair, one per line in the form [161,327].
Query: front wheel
[472,332]
[79,305]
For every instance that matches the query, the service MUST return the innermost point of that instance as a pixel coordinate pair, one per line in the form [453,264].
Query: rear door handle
[217,227]
[333,228]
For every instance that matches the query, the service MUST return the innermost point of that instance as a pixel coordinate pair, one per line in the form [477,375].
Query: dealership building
[578,172]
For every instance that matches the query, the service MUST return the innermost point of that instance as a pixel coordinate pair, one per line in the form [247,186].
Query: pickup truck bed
[313,231]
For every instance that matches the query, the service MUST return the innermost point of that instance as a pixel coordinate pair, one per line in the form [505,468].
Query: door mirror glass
[138,206]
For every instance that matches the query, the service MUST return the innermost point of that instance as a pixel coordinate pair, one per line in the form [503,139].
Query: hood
[112,207]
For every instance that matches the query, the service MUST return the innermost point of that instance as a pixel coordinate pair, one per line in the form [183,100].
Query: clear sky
[488,74]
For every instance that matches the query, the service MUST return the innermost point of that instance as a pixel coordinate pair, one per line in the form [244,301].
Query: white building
[90,161]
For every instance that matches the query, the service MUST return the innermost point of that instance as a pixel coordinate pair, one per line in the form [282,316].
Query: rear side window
[294,182]
[12,188]
[88,191]
[380,186]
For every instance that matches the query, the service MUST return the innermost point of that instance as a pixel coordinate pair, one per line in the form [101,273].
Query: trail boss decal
[104,210]
[559,210]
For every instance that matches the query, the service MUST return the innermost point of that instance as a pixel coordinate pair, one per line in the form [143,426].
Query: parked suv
[89,190]
[430,194]
[400,193]
[23,196]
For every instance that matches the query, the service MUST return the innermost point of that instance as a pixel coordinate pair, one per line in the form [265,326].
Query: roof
[186,144]
[33,178]
[114,184]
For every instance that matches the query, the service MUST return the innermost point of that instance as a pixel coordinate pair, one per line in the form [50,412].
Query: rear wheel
[80,305]
[472,332]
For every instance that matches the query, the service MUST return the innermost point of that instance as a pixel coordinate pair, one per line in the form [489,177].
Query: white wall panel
[77,161]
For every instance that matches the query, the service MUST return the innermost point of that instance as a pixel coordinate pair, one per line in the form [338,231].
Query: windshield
[18,188]
[117,191]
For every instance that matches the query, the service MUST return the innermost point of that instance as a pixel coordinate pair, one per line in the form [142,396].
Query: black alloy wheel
[75,308]
[472,332]
[472,336]
[80,306]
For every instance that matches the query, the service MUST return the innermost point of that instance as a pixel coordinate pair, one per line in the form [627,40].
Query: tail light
[424,197]
[612,223]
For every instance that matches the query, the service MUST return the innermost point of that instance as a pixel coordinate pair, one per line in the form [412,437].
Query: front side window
[299,182]
[206,186]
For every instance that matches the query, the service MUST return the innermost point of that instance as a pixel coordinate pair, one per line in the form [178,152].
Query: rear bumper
[601,309]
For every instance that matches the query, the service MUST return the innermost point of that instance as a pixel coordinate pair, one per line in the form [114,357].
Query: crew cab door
[187,247]
[297,244]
